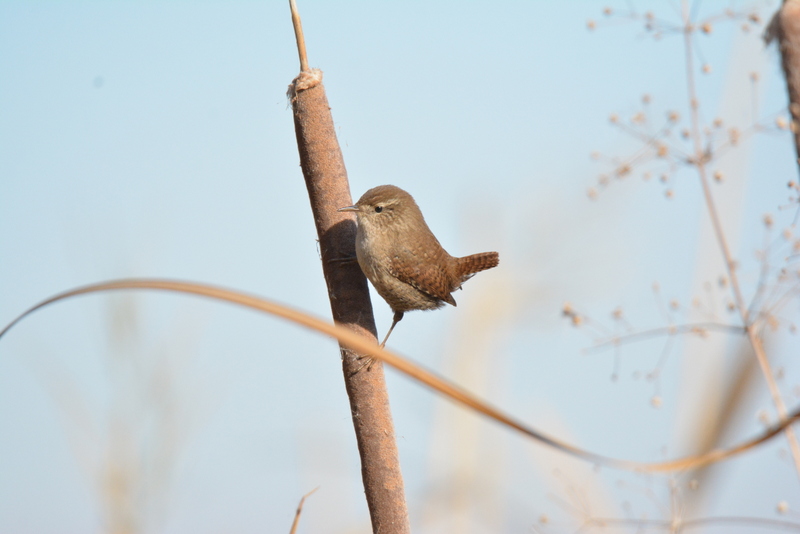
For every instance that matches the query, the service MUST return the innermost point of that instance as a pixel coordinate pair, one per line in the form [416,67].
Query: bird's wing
[427,277]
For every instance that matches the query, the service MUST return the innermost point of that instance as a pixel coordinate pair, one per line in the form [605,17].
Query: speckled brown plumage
[403,259]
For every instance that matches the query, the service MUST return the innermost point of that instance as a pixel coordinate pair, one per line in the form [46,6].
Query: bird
[402,258]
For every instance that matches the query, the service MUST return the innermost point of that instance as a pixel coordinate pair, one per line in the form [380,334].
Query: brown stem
[672,330]
[785,28]
[299,511]
[298,35]
[328,189]
[730,264]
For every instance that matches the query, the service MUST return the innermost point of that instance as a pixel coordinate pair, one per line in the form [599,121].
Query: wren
[403,259]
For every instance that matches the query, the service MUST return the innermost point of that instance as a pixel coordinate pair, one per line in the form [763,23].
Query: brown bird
[403,259]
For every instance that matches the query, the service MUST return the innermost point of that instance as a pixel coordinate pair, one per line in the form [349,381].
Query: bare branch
[699,329]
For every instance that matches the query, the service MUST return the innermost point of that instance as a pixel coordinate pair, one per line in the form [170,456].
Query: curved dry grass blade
[358,343]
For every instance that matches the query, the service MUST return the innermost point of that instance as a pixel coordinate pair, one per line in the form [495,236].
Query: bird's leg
[368,361]
[398,316]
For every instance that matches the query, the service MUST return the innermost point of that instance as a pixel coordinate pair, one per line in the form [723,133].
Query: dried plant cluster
[676,145]
[672,140]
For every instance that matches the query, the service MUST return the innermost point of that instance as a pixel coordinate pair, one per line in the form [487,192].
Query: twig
[730,264]
[761,286]
[676,527]
[689,328]
[299,510]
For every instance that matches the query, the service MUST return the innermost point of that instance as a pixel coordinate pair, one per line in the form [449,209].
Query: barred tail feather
[469,265]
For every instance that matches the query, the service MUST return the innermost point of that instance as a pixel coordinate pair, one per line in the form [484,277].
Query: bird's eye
[378,209]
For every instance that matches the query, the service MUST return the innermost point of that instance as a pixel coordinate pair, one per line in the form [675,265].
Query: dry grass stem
[300,510]
[730,263]
[784,28]
[366,346]
[685,525]
[298,34]
[704,147]
[697,329]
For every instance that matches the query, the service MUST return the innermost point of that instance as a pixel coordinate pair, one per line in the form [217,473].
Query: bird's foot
[365,361]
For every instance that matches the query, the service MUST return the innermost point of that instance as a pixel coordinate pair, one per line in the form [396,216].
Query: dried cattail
[784,28]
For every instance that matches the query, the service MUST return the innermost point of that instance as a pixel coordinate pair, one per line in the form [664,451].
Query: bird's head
[386,206]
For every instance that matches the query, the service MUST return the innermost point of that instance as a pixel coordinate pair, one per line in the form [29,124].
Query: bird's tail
[469,265]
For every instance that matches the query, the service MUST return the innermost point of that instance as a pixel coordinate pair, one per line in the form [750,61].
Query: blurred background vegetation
[155,139]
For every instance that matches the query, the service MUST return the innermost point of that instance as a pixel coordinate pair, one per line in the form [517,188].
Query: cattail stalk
[785,30]
[328,189]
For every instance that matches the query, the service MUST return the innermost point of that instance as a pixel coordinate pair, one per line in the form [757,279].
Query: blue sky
[155,139]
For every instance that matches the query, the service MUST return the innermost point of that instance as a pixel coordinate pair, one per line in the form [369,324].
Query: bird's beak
[349,208]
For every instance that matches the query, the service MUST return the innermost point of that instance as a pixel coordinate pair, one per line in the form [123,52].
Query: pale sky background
[154,139]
